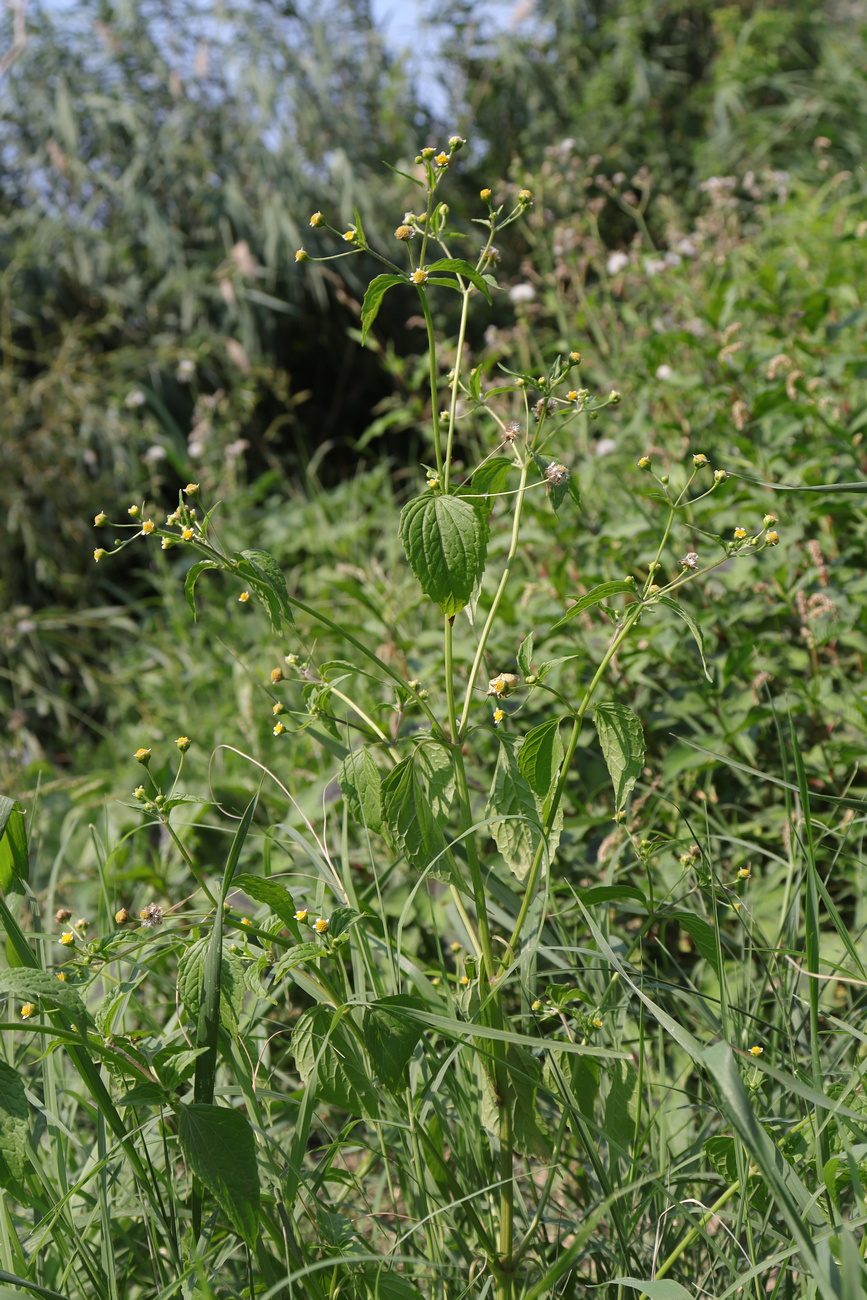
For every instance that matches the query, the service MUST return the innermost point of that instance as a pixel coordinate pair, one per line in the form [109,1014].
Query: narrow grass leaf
[655,1290]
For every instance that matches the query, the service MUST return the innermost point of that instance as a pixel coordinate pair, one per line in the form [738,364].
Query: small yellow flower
[526,196]
[575,357]
[278,708]
[142,756]
[317,219]
[756,1050]
[301,255]
[699,459]
[99,553]
[245,920]
[29,1009]
[654,587]
[485,194]
[572,396]
[433,483]
[121,916]
[67,937]
[99,520]
[768,520]
[278,729]
[61,975]
[187,534]
[404,232]
[442,160]
[167,543]
[465,980]
[719,476]
[771,538]
[183,743]
[614,397]
[498,716]
[456,947]
[291,660]
[320,925]
[349,235]
[597,1023]
[537,1005]
[148,527]
[276,676]
[644,462]
[134,511]
[740,534]
[419,276]
[744,873]
[301,914]
[192,489]
[244,597]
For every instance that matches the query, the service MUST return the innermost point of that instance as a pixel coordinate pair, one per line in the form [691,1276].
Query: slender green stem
[495,604]
[432,364]
[686,1241]
[632,614]
[462,332]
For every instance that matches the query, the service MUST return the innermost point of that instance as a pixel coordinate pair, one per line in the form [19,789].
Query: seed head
[690,560]
[404,232]
[151,915]
[556,474]
[512,430]
[62,914]
[502,684]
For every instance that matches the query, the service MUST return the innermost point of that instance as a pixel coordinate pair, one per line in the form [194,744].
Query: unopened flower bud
[614,397]
[699,460]
[644,462]
[134,512]
[719,476]
[317,219]
[183,743]
[768,520]
[100,520]
[484,194]
[525,196]
[192,489]
[575,358]
[276,676]
[121,916]
[456,142]
[142,756]
[301,255]
[99,554]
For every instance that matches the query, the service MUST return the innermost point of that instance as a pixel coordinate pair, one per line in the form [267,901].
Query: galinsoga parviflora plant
[467,1096]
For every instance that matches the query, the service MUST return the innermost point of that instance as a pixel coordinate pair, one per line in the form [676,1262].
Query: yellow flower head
[771,538]
[142,756]
[278,708]
[317,219]
[644,462]
[699,459]
[301,255]
[740,534]
[320,925]
[61,975]
[404,232]
[419,276]
[99,553]
[67,937]
[349,235]
[442,160]
[99,520]
[575,357]
[187,534]
[29,1009]
[278,729]
[301,914]
[148,527]
[183,743]
[526,196]
[192,489]
[244,597]
[756,1050]
[485,194]
[572,395]
[597,1023]
[465,980]
[498,716]
[134,512]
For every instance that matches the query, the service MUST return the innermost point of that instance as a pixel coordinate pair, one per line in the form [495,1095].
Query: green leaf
[490,479]
[341,920]
[540,757]
[192,578]
[266,578]
[661,1290]
[691,624]
[466,269]
[376,291]
[328,1061]
[145,1094]
[360,783]
[525,655]
[391,1038]
[595,597]
[14,866]
[530,1136]
[295,957]
[13,1128]
[446,542]
[269,892]
[376,1284]
[702,935]
[191,975]
[25,982]
[219,1146]
[416,799]
[610,894]
[622,741]
[518,836]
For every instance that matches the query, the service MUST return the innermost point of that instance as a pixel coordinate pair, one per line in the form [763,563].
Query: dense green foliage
[489,1074]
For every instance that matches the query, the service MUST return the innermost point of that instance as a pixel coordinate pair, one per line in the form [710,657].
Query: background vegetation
[698,233]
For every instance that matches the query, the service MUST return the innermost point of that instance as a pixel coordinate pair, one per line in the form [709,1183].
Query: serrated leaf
[466,269]
[490,479]
[610,894]
[540,757]
[595,597]
[13,1128]
[266,578]
[145,1094]
[518,837]
[341,920]
[446,540]
[391,1038]
[360,783]
[622,741]
[219,1146]
[191,974]
[26,982]
[530,1135]
[525,654]
[692,625]
[14,866]
[327,1060]
[295,956]
[376,291]
[416,799]
[269,892]
[193,575]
